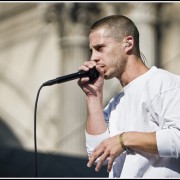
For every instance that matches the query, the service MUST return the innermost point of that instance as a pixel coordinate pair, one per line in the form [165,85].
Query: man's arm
[95,123]
[111,148]
[141,141]
[164,142]
[94,96]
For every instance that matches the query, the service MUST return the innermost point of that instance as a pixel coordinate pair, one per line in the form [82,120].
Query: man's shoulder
[163,80]
[162,75]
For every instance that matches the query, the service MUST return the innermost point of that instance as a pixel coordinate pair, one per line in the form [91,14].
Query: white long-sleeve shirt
[149,103]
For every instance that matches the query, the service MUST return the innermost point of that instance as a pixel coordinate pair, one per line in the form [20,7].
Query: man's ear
[128,43]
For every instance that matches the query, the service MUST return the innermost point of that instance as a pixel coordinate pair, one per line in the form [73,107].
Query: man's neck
[133,69]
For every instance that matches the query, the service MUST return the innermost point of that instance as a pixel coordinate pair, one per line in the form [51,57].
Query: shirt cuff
[164,143]
[93,140]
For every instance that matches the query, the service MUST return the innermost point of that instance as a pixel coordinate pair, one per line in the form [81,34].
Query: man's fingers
[83,80]
[98,151]
[87,65]
[101,161]
[110,163]
[91,161]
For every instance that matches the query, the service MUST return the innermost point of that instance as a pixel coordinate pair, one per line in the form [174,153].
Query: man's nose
[95,57]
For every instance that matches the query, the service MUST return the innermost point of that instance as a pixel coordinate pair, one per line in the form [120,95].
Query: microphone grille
[93,74]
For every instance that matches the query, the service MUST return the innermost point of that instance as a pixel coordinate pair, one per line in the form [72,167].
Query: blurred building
[42,41]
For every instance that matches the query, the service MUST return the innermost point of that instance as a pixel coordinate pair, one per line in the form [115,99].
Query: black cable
[35,141]
[92,74]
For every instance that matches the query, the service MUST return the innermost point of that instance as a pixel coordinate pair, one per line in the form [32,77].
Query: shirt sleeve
[167,107]
[93,140]
[168,143]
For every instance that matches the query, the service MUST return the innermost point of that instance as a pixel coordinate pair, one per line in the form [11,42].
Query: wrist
[94,98]
[121,141]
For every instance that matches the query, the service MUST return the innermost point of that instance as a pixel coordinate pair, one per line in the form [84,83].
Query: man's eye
[100,48]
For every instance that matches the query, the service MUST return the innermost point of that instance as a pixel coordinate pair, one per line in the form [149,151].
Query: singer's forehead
[97,37]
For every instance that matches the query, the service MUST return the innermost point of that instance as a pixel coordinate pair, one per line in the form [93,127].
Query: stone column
[170,43]
[144,16]
[73,21]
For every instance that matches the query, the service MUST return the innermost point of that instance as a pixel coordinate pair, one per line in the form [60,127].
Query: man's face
[107,52]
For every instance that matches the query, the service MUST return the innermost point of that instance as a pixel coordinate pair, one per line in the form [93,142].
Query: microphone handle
[92,74]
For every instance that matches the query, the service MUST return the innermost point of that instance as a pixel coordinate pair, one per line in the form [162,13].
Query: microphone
[92,74]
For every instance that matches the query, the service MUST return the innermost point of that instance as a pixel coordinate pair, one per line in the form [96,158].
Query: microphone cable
[92,74]
[35,141]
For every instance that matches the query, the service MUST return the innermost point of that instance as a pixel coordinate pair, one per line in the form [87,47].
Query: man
[138,133]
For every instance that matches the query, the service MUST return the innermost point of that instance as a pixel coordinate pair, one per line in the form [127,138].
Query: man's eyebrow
[97,46]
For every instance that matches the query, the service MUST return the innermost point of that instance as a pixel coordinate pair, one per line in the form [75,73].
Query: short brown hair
[119,27]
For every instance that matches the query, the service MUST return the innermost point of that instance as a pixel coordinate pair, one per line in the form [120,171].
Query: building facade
[42,41]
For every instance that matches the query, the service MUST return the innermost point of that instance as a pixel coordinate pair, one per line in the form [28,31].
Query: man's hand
[91,88]
[109,148]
